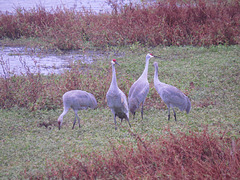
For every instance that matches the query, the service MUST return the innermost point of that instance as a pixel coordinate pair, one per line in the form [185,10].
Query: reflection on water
[95,5]
[17,60]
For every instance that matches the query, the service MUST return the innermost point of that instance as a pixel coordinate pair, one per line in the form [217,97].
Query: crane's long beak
[157,57]
[117,63]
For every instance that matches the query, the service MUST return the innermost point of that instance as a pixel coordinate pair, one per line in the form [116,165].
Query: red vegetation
[169,22]
[181,156]
[35,91]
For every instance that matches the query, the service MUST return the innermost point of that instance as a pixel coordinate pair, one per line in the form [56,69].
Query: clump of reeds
[181,156]
[170,22]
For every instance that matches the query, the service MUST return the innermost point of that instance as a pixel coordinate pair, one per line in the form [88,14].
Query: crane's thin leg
[174,114]
[168,113]
[128,122]
[121,120]
[134,115]
[115,122]
[79,121]
[142,111]
[75,119]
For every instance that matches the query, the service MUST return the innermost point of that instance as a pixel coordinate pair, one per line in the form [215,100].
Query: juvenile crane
[171,96]
[77,100]
[116,99]
[139,90]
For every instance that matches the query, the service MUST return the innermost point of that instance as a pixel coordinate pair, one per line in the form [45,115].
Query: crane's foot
[169,117]
[175,117]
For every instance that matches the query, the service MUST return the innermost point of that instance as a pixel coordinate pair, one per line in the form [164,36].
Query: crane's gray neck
[114,79]
[156,74]
[145,72]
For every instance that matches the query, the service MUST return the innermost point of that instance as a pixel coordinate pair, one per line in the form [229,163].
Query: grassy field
[209,76]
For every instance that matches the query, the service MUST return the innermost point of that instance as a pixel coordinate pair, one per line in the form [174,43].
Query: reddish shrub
[35,91]
[181,156]
[171,22]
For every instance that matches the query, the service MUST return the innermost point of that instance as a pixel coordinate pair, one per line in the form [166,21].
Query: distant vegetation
[170,22]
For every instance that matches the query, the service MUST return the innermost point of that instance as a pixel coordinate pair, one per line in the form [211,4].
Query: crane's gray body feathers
[139,90]
[77,100]
[137,95]
[173,97]
[117,100]
[170,95]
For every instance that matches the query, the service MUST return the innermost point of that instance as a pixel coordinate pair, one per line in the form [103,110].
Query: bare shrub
[185,156]
[171,22]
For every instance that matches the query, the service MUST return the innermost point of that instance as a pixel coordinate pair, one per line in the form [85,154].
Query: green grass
[27,146]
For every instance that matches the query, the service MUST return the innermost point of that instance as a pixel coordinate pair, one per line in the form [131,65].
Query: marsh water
[19,59]
[95,5]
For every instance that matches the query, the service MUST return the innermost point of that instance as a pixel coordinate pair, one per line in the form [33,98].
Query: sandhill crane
[77,100]
[171,96]
[116,99]
[139,90]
